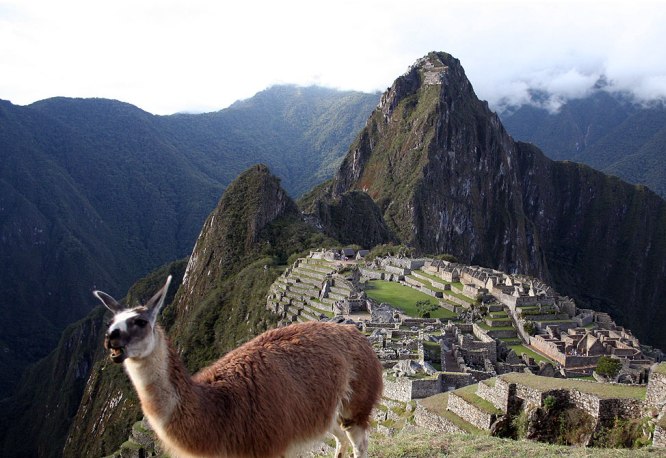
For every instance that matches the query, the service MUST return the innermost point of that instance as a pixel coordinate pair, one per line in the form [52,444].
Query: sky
[168,56]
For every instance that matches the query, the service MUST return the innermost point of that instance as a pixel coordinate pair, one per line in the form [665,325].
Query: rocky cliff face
[231,231]
[449,179]
[49,393]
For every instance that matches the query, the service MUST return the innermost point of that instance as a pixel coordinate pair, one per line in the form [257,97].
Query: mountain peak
[447,178]
[250,202]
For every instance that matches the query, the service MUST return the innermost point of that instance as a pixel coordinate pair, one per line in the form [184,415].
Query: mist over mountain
[98,192]
[608,131]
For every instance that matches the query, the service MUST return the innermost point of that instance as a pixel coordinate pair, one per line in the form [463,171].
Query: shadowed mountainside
[97,191]
[603,130]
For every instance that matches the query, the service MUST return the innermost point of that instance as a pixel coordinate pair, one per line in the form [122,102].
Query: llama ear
[157,301]
[109,302]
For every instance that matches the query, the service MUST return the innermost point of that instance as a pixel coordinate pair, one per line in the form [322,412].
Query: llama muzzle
[116,348]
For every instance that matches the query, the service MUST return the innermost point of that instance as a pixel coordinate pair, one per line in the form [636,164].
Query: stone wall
[455,380]
[547,348]
[399,389]
[426,387]
[585,401]
[429,420]
[610,409]
[656,388]
[659,436]
[469,412]
[529,395]
[397,270]
[497,395]
[371,274]
[456,300]
[571,361]
[405,389]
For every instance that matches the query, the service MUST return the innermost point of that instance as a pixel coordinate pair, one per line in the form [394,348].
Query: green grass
[603,390]
[500,319]
[520,349]
[418,442]
[484,326]
[489,381]
[511,340]
[403,298]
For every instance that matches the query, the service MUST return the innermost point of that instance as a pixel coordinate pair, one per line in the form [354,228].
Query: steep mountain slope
[449,179]
[605,131]
[99,192]
[242,248]
[69,220]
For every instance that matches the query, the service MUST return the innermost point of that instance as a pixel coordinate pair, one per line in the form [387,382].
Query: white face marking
[120,320]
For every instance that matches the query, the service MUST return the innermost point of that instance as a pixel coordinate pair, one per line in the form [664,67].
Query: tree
[424,308]
[608,366]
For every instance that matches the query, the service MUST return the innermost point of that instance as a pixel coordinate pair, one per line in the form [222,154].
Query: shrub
[631,433]
[520,423]
[424,308]
[549,402]
[530,327]
[609,367]
[576,427]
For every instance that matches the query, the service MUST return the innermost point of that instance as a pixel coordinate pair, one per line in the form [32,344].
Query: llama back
[298,380]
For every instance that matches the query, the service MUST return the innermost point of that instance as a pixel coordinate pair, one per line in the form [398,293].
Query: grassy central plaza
[403,298]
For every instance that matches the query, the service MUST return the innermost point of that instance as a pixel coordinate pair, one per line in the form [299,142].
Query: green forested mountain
[605,131]
[244,245]
[98,192]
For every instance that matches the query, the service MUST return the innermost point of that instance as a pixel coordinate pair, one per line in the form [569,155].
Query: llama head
[130,334]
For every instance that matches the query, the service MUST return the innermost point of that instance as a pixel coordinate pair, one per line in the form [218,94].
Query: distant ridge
[603,130]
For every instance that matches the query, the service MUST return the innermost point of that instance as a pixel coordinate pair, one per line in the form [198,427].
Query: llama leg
[341,441]
[359,439]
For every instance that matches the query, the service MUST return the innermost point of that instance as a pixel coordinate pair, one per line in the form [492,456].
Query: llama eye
[140,322]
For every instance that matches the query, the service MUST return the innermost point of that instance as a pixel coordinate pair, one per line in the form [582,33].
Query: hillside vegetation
[98,192]
[603,130]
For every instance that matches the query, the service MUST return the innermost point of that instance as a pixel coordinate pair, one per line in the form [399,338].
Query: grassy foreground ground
[414,442]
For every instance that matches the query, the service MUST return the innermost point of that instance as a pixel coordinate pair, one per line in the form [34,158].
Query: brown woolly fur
[282,387]
[285,388]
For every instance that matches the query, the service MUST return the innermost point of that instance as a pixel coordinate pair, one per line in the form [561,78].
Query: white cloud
[167,56]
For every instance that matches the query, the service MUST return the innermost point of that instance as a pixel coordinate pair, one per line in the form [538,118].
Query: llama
[267,398]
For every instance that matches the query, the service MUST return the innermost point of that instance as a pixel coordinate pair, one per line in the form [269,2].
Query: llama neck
[160,380]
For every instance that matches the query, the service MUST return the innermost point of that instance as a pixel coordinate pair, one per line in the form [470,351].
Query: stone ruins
[494,332]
